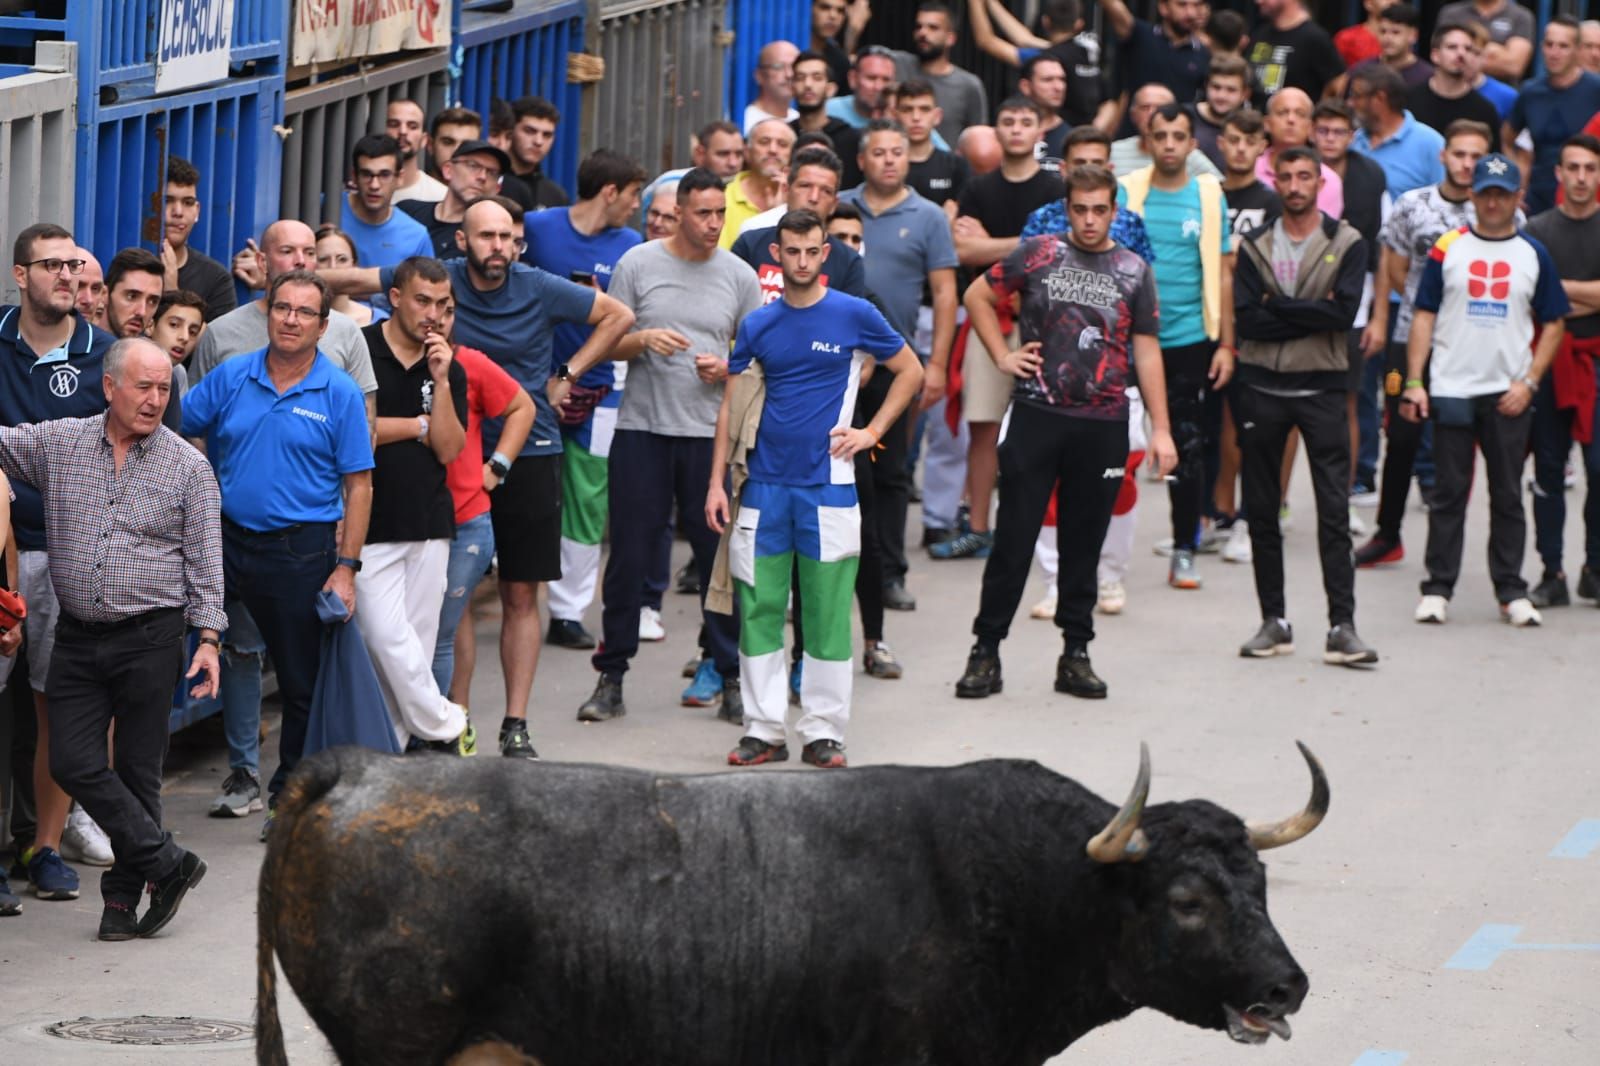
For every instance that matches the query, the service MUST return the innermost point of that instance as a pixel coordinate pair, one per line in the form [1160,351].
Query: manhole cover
[146,1030]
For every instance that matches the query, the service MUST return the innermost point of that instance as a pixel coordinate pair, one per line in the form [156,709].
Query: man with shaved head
[508,310]
[773,68]
[1289,126]
[1133,153]
[285,246]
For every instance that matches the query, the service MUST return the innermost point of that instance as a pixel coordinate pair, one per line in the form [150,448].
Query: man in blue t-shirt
[1551,109]
[287,433]
[583,243]
[799,497]
[1187,222]
[508,310]
[384,236]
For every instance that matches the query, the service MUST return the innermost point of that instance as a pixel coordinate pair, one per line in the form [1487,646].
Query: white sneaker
[1113,597]
[1163,547]
[1431,609]
[1358,528]
[1285,519]
[1521,613]
[1046,607]
[1238,549]
[650,627]
[84,841]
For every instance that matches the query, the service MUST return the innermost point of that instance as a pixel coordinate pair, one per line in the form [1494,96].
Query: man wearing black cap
[472,172]
[1485,288]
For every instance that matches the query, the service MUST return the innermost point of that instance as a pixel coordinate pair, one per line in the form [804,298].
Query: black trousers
[1264,424]
[649,472]
[1504,442]
[1086,456]
[891,481]
[127,674]
[1187,385]
[1404,439]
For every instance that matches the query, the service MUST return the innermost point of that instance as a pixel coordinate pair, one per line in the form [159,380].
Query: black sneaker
[896,598]
[1379,551]
[731,709]
[605,703]
[1345,648]
[931,536]
[827,754]
[118,922]
[167,893]
[687,583]
[1076,677]
[1588,587]
[983,674]
[514,742]
[754,752]
[1551,592]
[565,634]
[1275,637]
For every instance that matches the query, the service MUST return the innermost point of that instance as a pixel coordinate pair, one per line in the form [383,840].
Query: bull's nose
[1287,995]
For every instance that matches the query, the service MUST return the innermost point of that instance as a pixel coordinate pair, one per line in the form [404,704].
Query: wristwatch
[1531,381]
[562,373]
[345,560]
[498,466]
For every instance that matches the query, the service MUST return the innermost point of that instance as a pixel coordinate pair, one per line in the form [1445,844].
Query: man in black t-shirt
[1290,51]
[184,267]
[937,175]
[988,228]
[473,172]
[1448,94]
[422,414]
[1166,52]
[809,80]
[1044,81]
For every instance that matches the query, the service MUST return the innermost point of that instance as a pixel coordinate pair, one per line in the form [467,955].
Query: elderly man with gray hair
[133,519]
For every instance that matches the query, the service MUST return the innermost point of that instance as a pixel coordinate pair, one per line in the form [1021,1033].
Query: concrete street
[1463,771]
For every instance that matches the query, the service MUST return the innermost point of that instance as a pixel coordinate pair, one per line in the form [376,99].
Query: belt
[100,628]
[245,531]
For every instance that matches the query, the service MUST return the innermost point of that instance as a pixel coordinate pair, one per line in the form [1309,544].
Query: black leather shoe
[982,677]
[605,703]
[167,893]
[896,598]
[731,709]
[1076,677]
[565,634]
[118,922]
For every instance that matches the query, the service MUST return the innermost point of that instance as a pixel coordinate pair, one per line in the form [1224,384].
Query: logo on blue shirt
[824,346]
[64,382]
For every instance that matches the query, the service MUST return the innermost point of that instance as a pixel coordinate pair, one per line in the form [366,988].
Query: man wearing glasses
[474,171]
[287,433]
[50,367]
[383,236]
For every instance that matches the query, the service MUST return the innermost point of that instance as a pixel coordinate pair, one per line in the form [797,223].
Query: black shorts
[526,515]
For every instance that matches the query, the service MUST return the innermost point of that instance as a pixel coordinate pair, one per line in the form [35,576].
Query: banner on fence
[193,43]
[330,30]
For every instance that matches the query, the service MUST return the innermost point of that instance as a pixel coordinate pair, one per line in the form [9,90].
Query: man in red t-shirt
[494,396]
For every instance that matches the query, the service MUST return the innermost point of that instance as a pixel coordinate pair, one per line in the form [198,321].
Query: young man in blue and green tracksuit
[799,496]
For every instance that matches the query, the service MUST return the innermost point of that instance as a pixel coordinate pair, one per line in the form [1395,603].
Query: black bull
[980,915]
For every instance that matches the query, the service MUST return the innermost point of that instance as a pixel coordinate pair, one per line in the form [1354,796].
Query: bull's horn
[1277,834]
[1122,840]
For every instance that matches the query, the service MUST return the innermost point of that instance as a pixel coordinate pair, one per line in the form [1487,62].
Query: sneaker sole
[771,755]
[883,673]
[696,701]
[1346,658]
[224,810]
[1430,620]
[840,765]
[83,859]
[115,938]
[1266,653]
[183,890]
[55,895]
[1184,585]
[586,715]
[1109,608]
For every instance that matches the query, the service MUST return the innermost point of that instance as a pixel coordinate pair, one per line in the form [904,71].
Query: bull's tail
[311,781]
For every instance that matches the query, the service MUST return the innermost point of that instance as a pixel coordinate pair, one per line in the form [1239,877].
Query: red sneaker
[1378,551]
[828,754]
[753,752]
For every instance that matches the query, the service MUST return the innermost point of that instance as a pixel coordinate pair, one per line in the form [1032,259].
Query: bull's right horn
[1122,840]
[1277,834]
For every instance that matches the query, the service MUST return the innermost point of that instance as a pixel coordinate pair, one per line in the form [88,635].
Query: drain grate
[146,1030]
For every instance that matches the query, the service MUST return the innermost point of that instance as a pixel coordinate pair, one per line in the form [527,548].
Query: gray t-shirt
[959,95]
[705,302]
[1571,243]
[901,246]
[1511,20]
[244,329]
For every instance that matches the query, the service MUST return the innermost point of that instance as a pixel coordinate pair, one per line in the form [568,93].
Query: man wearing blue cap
[1485,288]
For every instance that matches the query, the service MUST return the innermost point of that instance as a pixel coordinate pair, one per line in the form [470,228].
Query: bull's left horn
[1122,840]
[1277,834]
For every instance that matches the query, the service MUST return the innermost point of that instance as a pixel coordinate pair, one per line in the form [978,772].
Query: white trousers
[398,594]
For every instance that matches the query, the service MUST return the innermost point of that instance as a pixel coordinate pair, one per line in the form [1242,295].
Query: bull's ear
[1277,834]
[1122,840]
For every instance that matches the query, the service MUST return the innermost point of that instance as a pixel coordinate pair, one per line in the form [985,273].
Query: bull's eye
[1188,911]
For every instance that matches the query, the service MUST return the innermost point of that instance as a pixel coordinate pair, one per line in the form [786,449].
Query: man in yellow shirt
[762,184]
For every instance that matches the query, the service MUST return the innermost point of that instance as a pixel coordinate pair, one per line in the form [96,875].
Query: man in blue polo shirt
[508,310]
[287,433]
[50,367]
[583,243]
[1409,152]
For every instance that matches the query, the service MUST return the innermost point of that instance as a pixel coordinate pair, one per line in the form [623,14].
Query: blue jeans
[471,551]
[278,575]
[241,688]
[1551,438]
[1367,413]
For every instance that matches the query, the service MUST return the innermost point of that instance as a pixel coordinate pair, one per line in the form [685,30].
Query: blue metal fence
[227,131]
[524,52]
[756,23]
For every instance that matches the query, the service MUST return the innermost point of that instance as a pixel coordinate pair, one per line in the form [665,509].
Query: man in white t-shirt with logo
[1485,288]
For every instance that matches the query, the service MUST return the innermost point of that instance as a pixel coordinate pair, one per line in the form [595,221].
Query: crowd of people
[1247,242]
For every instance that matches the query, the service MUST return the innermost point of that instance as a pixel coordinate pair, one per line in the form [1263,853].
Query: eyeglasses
[53,266]
[374,175]
[476,167]
[291,313]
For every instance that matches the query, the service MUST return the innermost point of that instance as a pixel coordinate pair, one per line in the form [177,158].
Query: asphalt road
[1446,911]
